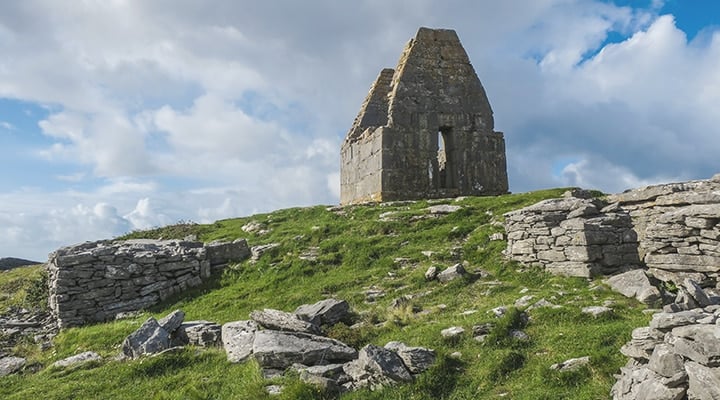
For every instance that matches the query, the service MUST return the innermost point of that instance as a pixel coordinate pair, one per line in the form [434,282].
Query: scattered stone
[376,367]
[497,237]
[238,338]
[523,301]
[283,321]
[148,339]
[275,349]
[416,359]
[571,364]
[431,273]
[255,227]
[518,335]
[542,303]
[198,333]
[172,321]
[325,312]
[636,284]
[597,311]
[274,390]
[452,332]
[373,293]
[498,311]
[10,365]
[449,274]
[443,209]
[258,251]
[77,359]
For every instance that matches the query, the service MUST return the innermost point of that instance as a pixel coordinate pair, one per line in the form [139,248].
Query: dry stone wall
[95,281]
[572,236]
[673,230]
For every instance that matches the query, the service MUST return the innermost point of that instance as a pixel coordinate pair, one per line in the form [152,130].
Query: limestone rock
[664,361]
[172,321]
[238,338]
[198,333]
[431,273]
[283,321]
[636,284]
[325,312]
[696,292]
[443,209]
[10,365]
[258,251]
[77,359]
[452,332]
[416,359]
[666,321]
[700,343]
[571,364]
[597,311]
[376,367]
[704,382]
[275,349]
[456,271]
[148,339]
[220,252]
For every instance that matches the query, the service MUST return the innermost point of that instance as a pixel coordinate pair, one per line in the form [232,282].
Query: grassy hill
[350,253]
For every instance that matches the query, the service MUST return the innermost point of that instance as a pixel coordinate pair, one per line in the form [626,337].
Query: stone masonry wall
[674,228]
[93,282]
[572,236]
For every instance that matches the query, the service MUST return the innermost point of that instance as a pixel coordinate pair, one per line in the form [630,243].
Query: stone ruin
[672,230]
[425,130]
[95,281]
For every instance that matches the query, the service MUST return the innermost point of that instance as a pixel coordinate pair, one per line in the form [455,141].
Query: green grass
[23,287]
[356,251]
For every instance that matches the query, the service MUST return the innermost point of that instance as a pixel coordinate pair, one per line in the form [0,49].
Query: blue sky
[124,115]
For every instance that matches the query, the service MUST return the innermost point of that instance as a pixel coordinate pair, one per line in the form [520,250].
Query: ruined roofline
[374,110]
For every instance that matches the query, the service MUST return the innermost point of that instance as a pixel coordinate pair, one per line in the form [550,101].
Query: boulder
[148,339]
[325,312]
[456,271]
[77,359]
[10,365]
[636,284]
[238,338]
[172,321]
[275,349]
[283,321]
[376,367]
[198,333]
[416,359]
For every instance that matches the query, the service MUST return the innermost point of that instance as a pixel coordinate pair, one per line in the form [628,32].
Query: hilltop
[7,263]
[375,257]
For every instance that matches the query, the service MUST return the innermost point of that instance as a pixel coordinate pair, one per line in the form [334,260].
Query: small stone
[454,272]
[77,359]
[9,365]
[571,364]
[431,273]
[518,335]
[597,311]
[452,332]
[274,390]
[499,311]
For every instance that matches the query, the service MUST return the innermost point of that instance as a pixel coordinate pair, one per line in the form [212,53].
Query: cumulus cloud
[175,110]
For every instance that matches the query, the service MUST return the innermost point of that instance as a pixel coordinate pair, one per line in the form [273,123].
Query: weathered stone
[425,130]
[704,382]
[452,332]
[416,359]
[325,312]
[571,364]
[597,311]
[274,349]
[696,292]
[172,321]
[148,339]
[10,365]
[451,273]
[219,252]
[700,343]
[376,367]
[258,251]
[443,209]
[238,338]
[198,333]
[77,359]
[636,284]
[431,273]
[666,321]
[664,361]
[283,321]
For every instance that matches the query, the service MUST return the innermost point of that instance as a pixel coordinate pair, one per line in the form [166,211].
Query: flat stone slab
[275,349]
[238,338]
[324,312]
[9,365]
[77,359]
[283,321]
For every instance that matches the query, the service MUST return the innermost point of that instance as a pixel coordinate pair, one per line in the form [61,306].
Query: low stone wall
[671,229]
[677,226]
[95,281]
[572,236]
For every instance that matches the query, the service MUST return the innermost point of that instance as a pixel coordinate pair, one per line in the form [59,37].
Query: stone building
[425,129]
